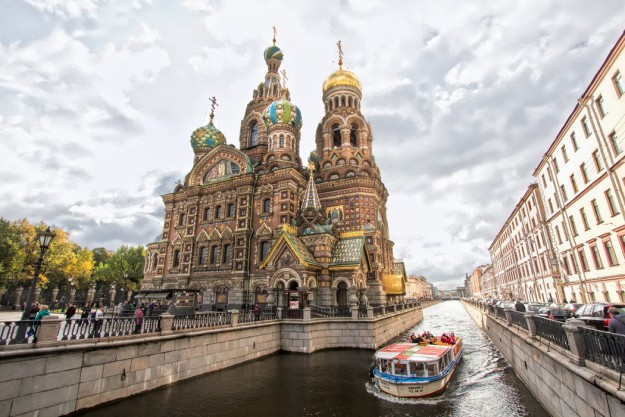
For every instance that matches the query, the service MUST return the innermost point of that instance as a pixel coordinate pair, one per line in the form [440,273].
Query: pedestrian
[138,318]
[33,311]
[43,312]
[257,312]
[617,322]
[98,319]
[84,315]
[519,306]
[71,310]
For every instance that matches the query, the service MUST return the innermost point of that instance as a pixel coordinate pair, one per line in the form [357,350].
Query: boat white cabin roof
[412,352]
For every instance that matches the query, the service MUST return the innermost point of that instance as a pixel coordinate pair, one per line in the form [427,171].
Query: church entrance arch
[341,294]
[289,294]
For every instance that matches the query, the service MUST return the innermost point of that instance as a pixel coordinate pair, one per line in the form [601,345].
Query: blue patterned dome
[207,137]
[282,112]
[273,52]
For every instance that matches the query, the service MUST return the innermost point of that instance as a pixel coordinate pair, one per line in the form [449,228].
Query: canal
[336,383]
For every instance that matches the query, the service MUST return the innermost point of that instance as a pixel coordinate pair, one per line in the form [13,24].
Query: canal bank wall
[563,388]
[65,377]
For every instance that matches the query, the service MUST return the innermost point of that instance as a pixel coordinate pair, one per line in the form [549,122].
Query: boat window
[384,366]
[432,368]
[419,369]
[400,368]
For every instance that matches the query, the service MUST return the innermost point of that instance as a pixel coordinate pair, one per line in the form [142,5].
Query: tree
[126,260]
[11,259]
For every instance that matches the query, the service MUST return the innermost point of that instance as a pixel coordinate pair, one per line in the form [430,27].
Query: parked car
[534,307]
[552,313]
[597,315]
[571,308]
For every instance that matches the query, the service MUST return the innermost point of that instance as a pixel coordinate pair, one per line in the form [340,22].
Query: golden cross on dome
[338,44]
[284,78]
[275,32]
[214,104]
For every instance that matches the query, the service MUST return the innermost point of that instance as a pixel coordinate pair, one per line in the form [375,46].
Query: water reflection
[336,383]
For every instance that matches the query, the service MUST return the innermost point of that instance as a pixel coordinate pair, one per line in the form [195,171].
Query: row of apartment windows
[570,265]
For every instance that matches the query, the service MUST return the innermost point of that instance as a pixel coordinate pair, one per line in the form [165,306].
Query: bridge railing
[604,348]
[518,318]
[57,329]
[552,331]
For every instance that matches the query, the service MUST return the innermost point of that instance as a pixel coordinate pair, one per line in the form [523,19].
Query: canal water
[336,383]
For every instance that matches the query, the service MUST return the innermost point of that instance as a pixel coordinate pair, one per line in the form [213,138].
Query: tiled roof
[298,248]
[348,252]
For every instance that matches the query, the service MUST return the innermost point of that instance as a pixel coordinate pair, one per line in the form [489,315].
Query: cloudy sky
[98,99]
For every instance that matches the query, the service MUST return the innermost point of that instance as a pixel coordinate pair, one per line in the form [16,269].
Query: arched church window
[275,90]
[340,162]
[336,102]
[266,205]
[342,101]
[281,143]
[353,162]
[341,294]
[207,213]
[285,157]
[336,135]
[202,257]
[154,261]
[176,258]
[264,250]
[214,255]
[352,134]
[349,101]
[181,219]
[218,212]
[254,134]
[327,165]
[230,210]
[227,256]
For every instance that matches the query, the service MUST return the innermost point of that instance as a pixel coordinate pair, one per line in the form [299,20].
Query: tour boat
[412,370]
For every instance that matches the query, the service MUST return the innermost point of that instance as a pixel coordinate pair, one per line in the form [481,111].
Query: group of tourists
[428,338]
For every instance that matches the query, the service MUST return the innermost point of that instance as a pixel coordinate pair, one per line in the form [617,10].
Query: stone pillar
[55,293]
[234,314]
[72,294]
[167,322]
[531,325]
[353,300]
[508,316]
[271,299]
[576,341]
[369,312]
[37,292]
[333,300]
[279,313]
[307,314]
[17,295]
[48,330]
[354,310]
[383,310]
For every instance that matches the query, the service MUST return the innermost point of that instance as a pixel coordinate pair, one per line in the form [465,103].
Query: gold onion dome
[342,77]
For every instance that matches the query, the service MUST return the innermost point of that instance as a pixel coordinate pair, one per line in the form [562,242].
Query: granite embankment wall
[564,388]
[64,377]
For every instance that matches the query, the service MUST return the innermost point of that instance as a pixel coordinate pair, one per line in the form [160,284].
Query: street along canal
[336,383]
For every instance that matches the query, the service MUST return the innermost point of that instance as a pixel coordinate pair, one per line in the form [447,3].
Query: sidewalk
[17,315]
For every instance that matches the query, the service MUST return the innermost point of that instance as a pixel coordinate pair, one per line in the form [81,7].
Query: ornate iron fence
[552,331]
[202,320]
[249,316]
[75,329]
[287,314]
[604,348]
[362,312]
[518,318]
[17,332]
[377,311]
[330,311]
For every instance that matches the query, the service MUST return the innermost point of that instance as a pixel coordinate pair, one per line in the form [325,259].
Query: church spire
[311,198]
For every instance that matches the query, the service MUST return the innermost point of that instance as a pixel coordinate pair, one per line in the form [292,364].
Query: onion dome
[207,137]
[282,111]
[341,77]
[273,52]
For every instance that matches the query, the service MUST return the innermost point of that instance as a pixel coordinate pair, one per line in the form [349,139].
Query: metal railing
[604,348]
[16,332]
[76,329]
[362,312]
[552,331]
[201,320]
[249,316]
[518,318]
[287,314]
[501,312]
[377,311]
[330,311]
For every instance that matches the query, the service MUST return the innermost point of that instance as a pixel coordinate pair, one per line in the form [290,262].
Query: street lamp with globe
[45,238]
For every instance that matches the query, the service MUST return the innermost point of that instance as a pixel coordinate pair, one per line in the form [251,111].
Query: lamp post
[45,238]
[126,284]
